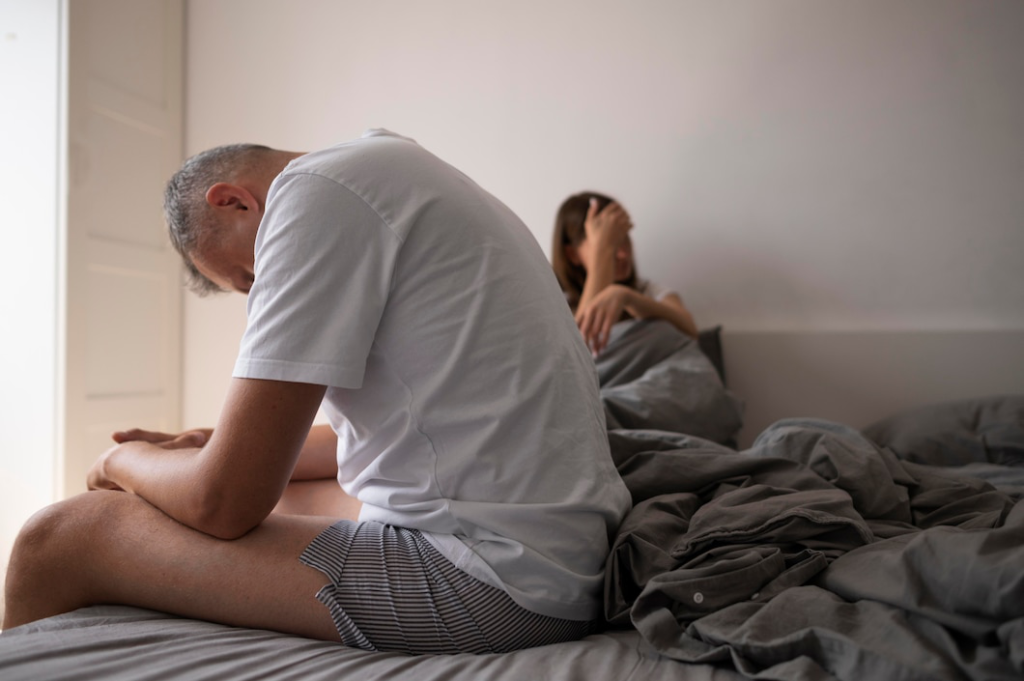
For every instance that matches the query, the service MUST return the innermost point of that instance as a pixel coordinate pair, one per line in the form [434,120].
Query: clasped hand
[99,478]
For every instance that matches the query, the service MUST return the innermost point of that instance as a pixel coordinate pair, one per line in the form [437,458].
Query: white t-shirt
[655,291]
[465,403]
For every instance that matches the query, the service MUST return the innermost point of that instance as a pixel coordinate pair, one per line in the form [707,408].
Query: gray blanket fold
[959,433]
[817,554]
[653,376]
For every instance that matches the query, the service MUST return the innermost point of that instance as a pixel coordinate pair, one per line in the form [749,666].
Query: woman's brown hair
[570,231]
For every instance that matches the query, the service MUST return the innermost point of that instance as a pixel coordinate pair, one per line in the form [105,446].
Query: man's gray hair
[185,208]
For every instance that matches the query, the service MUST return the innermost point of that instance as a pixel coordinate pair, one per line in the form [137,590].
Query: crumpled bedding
[653,376]
[819,553]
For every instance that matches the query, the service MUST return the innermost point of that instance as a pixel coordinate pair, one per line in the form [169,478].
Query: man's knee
[56,535]
[54,556]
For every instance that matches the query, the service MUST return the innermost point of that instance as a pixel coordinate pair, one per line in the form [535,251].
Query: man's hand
[196,437]
[231,483]
[98,477]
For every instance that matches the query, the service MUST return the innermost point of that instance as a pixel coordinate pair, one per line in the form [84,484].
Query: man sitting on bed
[421,313]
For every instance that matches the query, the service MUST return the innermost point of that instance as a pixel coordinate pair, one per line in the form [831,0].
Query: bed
[822,551]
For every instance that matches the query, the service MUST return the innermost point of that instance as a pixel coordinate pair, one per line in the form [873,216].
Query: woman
[593,258]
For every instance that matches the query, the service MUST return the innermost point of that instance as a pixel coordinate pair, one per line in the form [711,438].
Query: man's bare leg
[318,498]
[115,548]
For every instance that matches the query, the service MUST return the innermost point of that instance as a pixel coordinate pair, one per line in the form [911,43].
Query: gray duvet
[819,553]
[654,377]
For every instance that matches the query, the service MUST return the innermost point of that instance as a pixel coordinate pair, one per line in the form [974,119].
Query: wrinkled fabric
[816,554]
[653,376]
[956,433]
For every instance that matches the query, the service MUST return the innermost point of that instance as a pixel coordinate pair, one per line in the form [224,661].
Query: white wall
[792,166]
[30,70]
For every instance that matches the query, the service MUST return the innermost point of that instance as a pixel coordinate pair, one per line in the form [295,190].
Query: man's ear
[573,254]
[223,195]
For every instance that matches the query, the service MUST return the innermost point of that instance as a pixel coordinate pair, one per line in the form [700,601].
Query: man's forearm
[165,478]
[234,481]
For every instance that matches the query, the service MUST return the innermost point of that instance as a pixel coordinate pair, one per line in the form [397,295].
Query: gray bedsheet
[126,644]
[819,554]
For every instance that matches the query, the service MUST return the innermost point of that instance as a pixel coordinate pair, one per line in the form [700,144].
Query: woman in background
[593,258]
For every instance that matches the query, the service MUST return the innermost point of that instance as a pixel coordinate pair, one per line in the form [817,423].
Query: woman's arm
[670,308]
[605,229]
[606,308]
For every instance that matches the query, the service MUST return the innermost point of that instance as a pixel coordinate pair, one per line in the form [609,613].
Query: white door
[123,288]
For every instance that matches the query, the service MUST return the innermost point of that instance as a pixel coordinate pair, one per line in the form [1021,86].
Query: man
[419,310]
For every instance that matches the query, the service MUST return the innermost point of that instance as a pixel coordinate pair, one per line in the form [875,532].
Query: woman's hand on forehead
[607,227]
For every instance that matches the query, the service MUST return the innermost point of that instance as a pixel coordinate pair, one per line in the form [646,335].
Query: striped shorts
[390,590]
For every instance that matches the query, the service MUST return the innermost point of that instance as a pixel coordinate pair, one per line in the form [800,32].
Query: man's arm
[319,457]
[228,486]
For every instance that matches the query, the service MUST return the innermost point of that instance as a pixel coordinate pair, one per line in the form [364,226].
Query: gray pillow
[980,430]
[710,343]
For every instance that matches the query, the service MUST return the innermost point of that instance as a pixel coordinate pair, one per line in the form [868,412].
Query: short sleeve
[324,266]
[656,291]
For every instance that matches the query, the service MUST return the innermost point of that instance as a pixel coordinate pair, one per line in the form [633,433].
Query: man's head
[213,207]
